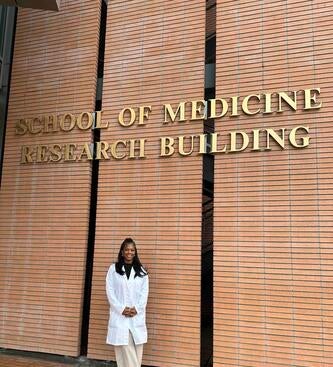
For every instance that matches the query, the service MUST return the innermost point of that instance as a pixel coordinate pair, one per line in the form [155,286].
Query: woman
[127,291]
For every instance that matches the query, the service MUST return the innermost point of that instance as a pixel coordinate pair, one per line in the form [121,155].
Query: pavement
[12,361]
[26,359]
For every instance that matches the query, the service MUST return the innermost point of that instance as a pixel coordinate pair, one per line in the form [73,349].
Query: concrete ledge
[35,4]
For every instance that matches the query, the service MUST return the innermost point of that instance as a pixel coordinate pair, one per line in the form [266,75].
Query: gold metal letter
[169,111]
[245,103]
[69,152]
[31,126]
[102,150]
[68,117]
[98,121]
[276,137]
[121,117]
[85,152]
[291,102]
[21,127]
[167,148]
[56,153]
[41,155]
[305,140]
[197,109]
[133,148]
[213,149]
[26,154]
[256,140]
[224,105]
[203,143]
[234,106]
[268,103]
[89,121]
[113,149]
[50,123]
[144,113]
[308,98]
[181,145]
[233,141]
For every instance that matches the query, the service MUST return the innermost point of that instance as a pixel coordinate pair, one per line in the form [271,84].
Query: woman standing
[127,291]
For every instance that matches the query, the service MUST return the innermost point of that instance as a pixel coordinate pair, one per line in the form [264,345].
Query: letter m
[168,112]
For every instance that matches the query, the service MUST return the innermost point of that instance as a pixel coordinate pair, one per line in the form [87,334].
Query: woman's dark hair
[140,271]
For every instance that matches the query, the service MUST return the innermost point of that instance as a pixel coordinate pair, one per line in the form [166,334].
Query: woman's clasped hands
[129,311]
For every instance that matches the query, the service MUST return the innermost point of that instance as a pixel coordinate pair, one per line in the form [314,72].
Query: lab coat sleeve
[142,303]
[110,292]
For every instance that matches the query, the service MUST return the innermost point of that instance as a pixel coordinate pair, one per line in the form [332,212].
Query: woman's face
[128,253]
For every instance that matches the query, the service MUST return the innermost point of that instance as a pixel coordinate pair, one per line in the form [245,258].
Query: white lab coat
[121,293]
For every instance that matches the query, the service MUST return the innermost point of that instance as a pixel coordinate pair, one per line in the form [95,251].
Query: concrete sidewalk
[27,359]
[14,361]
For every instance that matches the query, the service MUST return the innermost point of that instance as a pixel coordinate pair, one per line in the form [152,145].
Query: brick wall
[154,55]
[272,229]
[45,207]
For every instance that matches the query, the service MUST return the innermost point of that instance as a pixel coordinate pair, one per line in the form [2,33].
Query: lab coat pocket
[139,320]
[115,320]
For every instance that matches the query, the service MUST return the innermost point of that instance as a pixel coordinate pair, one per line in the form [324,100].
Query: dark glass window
[3,12]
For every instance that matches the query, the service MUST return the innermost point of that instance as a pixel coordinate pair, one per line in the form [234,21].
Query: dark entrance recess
[8,15]
[94,188]
[206,353]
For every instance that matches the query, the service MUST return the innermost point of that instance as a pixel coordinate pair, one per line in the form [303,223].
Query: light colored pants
[129,355]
